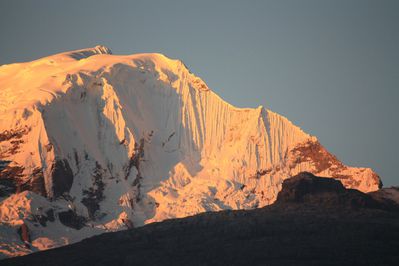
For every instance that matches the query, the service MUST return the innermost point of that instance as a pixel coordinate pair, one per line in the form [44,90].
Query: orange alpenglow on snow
[99,142]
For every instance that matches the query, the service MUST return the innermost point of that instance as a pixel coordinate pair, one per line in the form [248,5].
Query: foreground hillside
[92,142]
[315,221]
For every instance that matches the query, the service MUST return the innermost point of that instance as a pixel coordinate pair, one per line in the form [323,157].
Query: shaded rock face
[71,219]
[297,230]
[94,195]
[42,219]
[62,177]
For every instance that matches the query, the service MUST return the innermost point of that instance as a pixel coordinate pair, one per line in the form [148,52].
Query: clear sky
[331,67]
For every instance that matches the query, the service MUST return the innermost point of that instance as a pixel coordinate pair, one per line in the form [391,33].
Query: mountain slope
[107,142]
[315,221]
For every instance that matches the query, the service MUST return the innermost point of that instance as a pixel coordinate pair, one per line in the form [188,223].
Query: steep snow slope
[107,142]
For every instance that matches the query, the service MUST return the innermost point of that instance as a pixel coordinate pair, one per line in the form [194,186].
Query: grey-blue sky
[331,67]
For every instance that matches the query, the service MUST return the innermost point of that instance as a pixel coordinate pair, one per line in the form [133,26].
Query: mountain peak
[116,141]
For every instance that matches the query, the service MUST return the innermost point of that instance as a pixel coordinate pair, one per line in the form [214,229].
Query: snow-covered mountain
[93,142]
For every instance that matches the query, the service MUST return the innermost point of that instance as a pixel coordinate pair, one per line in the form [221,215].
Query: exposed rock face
[166,144]
[95,194]
[36,182]
[304,227]
[9,178]
[23,232]
[326,164]
[71,219]
[62,177]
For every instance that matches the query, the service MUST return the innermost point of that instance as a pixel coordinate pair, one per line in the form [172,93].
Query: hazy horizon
[330,67]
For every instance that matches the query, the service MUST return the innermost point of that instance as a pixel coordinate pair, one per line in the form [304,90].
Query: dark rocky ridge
[330,193]
[315,221]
